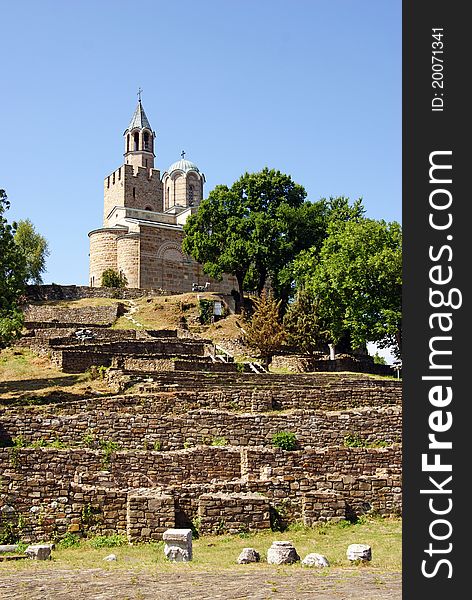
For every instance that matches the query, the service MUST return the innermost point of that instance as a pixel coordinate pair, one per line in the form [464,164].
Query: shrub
[285,440]
[206,311]
[97,372]
[108,541]
[219,441]
[354,441]
[379,360]
[70,540]
[113,279]
[108,448]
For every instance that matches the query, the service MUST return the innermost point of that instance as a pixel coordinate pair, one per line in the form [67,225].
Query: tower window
[136,141]
[146,140]
[146,162]
[119,173]
[134,193]
[108,181]
[127,143]
[190,195]
[113,177]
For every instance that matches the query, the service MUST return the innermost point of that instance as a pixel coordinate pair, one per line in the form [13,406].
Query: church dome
[183,165]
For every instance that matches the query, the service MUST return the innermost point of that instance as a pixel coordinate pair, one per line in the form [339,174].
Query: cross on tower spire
[139,94]
[182,154]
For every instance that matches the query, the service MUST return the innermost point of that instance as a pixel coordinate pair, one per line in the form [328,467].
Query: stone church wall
[103,253]
[173,275]
[128,255]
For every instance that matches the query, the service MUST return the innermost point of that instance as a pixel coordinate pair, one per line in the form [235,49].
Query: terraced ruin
[185,439]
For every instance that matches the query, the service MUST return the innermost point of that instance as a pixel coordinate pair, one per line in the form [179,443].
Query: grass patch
[26,378]
[217,553]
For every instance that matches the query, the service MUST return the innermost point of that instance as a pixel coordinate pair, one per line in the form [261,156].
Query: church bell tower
[139,140]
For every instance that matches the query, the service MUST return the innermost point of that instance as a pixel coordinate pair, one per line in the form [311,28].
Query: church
[143,219]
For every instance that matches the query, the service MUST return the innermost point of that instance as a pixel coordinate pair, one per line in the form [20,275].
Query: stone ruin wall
[353,364]
[52,292]
[80,490]
[110,480]
[141,430]
[98,316]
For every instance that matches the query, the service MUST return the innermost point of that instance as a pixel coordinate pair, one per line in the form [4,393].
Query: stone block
[8,548]
[178,544]
[361,552]
[282,553]
[39,551]
[315,560]
[248,555]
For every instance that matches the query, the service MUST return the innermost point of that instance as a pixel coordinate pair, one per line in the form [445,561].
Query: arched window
[136,141]
[127,143]
[146,140]
[148,208]
[190,195]
[134,193]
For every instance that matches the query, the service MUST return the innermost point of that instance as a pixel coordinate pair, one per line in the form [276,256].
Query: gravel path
[113,584]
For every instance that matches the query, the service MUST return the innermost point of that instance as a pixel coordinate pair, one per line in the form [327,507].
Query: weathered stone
[110,557]
[359,552]
[282,553]
[248,555]
[8,548]
[315,560]
[178,545]
[39,551]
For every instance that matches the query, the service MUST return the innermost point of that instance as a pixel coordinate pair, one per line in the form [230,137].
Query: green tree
[218,235]
[12,278]
[113,279]
[307,227]
[34,248]
[246,230]
[265,332]
[303,324]
[357,279]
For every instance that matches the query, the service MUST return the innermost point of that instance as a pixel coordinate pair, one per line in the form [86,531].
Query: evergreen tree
[304,326]
[265,332]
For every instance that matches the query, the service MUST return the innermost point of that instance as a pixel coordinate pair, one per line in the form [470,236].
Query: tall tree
[247,229]
[12,278]
[219,235]
[357,279]
[34,248]
[307,228]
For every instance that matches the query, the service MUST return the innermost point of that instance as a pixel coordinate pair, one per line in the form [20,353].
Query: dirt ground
[269,583]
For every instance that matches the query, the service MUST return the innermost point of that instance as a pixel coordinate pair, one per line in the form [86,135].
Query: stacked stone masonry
[101,316]
[139,429]
[84,490]
[175,444]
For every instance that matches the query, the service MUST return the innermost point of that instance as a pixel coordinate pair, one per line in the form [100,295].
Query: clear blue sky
[310,87]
